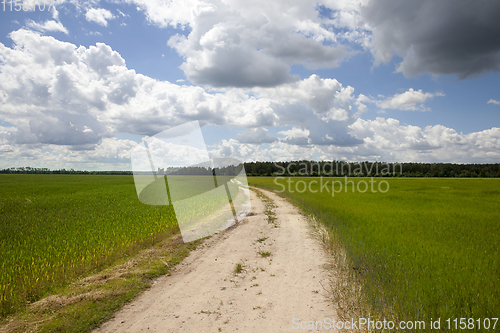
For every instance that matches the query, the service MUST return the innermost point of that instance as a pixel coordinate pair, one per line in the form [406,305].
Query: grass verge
[346,283]
[87,303]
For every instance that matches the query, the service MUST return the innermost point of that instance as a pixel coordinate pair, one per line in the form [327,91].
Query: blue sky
[382,80]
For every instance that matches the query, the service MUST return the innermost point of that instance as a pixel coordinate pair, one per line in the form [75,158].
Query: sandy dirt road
[204,294]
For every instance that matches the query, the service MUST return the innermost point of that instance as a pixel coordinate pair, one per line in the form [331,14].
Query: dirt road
[205,294]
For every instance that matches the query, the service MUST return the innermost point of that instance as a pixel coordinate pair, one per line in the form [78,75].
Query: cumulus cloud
[60,94]
[411,100]
[322,106]
[278,151]
[383,140]
[256,136]
[109,154]
[242,44]
[55,13]
[99,16]
[50,25]
[51,89]
[295,132]
[391,141]
[296,136]
[361,102]
[64,100]
[323,96]
[456,37]
[175,14]
[492,101]
[246,44]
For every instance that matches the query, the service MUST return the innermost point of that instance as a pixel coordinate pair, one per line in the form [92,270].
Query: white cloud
[246,44]
[89,94]
[99,16]
[278,151]
[109,154]
[269,37]
[70,101]
[383,140]
[256,136]
[320,95]
[50,25]
[168,13]
[411,100]
[55,13]
[298,136]
[391,141]
[295,132]
[361,104]
[492,101]
[122,14]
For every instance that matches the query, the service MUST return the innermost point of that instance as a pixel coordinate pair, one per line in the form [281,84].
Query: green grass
[265,254]
[428,248]
[238,268]
[56,228]
[85,304]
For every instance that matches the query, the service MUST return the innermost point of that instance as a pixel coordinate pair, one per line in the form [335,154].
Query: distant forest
[310,169]
[371,169]
[30,170]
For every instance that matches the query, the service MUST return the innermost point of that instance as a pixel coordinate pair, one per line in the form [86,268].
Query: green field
[55,228]
[428,248]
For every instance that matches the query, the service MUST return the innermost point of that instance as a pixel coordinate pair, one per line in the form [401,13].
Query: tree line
[306,168]
[30,170]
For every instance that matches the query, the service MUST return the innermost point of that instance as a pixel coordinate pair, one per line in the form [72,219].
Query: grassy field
[56,228]
[428,248]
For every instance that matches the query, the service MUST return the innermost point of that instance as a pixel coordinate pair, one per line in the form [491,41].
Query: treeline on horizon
[310,169]
[371,169]
[47,171]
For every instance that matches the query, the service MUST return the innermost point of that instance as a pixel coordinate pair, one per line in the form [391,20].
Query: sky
[84,82]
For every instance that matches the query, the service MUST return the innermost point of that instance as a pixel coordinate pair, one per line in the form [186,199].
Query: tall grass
[54,228]
[428,248]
